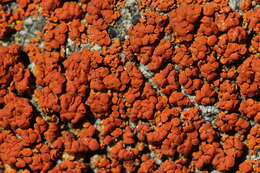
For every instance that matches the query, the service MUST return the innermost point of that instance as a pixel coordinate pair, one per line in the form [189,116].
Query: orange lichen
[125,86]
[143,109]
[205,96]
[13,72]
[248,76]
[48,101]
[254,139]
[228,99]
[144,34]
[47,70]
[17,112]
[69,11]
[99,103]
[182,20]
[166,80]
[179,99]
[55,37]
[49,5]
[250,108]
[231,122]
[189,79]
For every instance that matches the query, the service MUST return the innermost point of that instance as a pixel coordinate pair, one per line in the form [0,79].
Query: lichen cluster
[146,86]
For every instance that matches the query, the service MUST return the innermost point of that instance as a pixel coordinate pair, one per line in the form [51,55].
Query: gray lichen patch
[31,67]
[129,16]
[235,4]
[32,25]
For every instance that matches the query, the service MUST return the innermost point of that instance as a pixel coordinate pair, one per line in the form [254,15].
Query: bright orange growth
[119,86]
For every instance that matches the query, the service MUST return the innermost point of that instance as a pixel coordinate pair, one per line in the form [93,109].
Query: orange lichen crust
[114,86]
[14,76]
